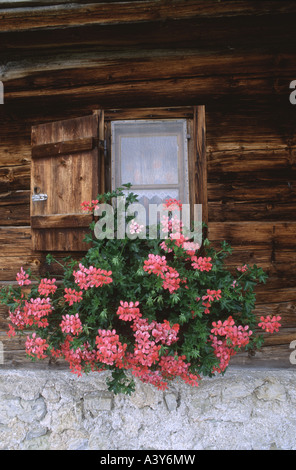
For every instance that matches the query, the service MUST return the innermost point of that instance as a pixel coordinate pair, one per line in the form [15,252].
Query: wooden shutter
[65,168]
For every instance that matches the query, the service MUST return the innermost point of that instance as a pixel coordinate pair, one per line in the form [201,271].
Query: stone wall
[55,410]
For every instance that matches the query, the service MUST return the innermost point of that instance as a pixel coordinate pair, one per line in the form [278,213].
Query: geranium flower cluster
[158,265]
[164,333]
[72,296]
[155,264]
[47,287]
[36,346]
[148,340]
[77,358]
[270,324]
[135,227]
[175,366]
[23,278]
[71,324]
[189,248]
[90,206]
[109,349]
[243,268]
[171,225]
[30,313]
[173,204]
[226,339]
[148,334]
[146,351]
[200,263]
[210,296]
[91,277]
[171,280]
[128,311]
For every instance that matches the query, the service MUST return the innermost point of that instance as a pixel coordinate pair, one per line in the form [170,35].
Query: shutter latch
[39,197]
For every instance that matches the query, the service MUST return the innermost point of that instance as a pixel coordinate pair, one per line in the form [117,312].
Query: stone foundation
[55,410]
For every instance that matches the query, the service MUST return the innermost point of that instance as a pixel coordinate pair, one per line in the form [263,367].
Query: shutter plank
[65,166]
[72,146]
[60,221]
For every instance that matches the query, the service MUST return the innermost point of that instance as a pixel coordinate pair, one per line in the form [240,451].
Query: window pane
[152,156]
[149,159]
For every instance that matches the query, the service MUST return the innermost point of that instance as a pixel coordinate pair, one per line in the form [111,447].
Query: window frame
[196,138]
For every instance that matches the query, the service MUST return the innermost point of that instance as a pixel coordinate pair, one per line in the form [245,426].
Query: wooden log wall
[237,58]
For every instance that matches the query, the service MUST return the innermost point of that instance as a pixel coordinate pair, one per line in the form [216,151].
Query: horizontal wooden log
[253,242]
[14,153]
[283,337]
[167,92]
[229,30]
[251,160]
[238,127]
[82,69]
[275,283]
[17,198]
[121,12]
[278,176]
[259,257]
[10,266]
[287,311]
[256,234]
[15,241]
[15,214]
[15,208]
[229,211]
[267,357]
[265,256]
[243,191]
[14,178]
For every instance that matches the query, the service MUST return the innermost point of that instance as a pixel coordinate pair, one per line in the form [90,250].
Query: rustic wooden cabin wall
[237,59]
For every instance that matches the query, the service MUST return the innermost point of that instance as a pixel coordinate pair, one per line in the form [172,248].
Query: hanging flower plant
[160,309]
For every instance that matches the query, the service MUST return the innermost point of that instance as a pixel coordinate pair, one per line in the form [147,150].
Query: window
[160,151]
[152,155]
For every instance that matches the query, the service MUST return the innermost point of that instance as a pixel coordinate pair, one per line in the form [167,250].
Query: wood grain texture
[69,13]
[63,148]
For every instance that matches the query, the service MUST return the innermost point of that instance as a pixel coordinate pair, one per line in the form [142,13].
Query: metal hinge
[103,145]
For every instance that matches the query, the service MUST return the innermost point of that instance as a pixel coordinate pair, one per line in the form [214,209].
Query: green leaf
[49,258]
[120,383]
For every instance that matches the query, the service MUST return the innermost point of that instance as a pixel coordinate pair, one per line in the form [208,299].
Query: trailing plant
[155,309]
